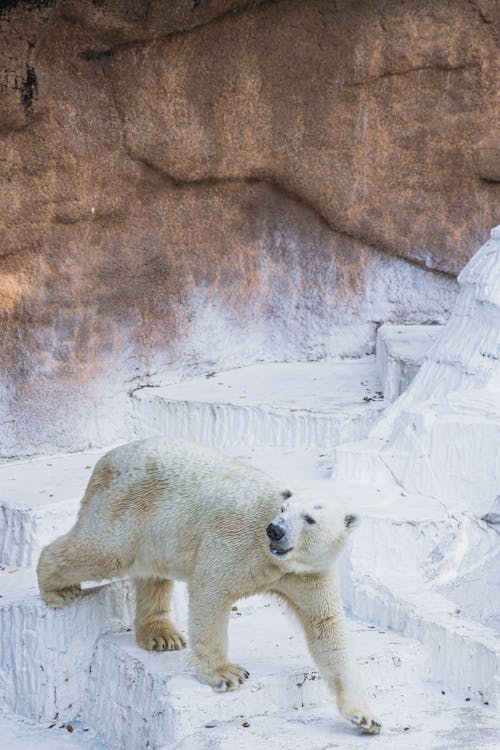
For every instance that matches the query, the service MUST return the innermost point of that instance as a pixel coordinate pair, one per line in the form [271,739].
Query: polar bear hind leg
[154,630]
[67,562]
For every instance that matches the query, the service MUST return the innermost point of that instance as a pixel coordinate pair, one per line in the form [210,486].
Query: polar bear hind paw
[365,722]
[59,597]
[159,635]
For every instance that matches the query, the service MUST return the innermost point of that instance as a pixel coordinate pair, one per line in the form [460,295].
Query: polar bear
[164,509]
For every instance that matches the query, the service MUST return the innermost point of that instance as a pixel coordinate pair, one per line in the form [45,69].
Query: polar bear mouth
[279,551]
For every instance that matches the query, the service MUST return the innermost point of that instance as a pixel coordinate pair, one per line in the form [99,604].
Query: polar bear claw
[366,722]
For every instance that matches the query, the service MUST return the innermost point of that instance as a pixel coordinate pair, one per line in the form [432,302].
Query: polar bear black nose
[274,532]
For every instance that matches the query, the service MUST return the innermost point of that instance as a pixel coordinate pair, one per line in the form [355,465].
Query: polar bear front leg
[315,599]
[154,630]
[208,621]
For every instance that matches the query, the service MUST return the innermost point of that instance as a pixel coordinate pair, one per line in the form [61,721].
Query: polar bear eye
[309,520]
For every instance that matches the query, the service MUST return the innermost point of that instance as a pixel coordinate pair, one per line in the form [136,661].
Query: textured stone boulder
[191,185]
[441,437]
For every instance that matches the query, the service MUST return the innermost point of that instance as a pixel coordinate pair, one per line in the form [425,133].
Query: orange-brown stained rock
[163,165]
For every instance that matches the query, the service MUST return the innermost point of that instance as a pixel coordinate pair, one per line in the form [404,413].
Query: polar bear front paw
[225,678]
[59,597]
[159,635]
[365,721]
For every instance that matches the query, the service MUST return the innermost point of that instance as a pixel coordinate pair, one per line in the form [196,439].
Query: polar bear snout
[275,532]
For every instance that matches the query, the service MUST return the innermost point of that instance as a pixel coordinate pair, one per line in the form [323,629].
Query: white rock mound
[442,436]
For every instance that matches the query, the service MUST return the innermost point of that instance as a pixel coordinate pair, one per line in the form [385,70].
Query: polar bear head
[309,532]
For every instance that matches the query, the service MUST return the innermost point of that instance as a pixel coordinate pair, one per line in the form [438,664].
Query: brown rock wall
[192,184]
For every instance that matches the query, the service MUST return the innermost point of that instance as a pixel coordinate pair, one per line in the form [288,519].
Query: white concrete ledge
[46,653]
[464,656]
[288,405]
[400,352]
[39,500]
[126,683]
[17,733]
[441,436]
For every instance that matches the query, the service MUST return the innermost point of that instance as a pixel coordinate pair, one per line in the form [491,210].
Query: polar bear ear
[286,494]
[351,521]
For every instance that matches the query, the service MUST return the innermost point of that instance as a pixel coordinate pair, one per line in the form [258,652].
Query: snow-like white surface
[17,733]
[39,499]
[441,439]
[45,653]
[401,351]
[57,666]
[417,530]
[361,462]
[292,405]
[31,483]
[294,386]
[114,686]
[441,436]
[409,724]
[464,655]
[283,679]
[302,323]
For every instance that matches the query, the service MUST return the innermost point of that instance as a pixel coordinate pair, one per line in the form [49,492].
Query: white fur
[164,509]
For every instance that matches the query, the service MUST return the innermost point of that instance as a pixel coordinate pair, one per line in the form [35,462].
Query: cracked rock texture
[198,184]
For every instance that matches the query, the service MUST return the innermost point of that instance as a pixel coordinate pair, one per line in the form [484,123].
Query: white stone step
[39,499]
[453,455]
[401,571]
[400,352]
[442,435]
[54,663]
[17,733]
[417,717]
[465,656]
[46,653]
[399,552]
[299,405]
[129,685]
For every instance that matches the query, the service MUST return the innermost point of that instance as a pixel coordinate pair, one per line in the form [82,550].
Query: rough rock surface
[441,436]
[197,184]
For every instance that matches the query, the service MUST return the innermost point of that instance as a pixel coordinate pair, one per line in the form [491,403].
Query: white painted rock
[301,405]
[442,436]
[401,351]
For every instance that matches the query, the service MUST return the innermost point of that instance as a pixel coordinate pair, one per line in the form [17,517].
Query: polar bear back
[165,496]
